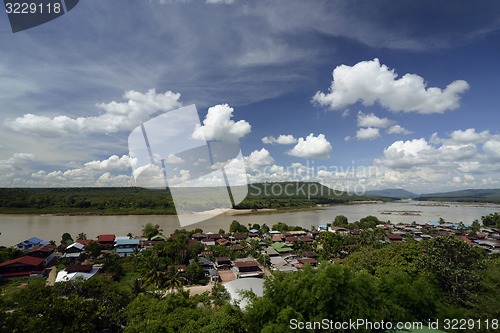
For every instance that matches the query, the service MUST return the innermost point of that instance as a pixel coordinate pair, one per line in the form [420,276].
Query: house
[240,237]
[249,268]
[31,243]
[253,234]
[307,261]
[291,239]
[282,248]
[277,262]
[215,236]
[492,246]
[159,238]
[277,238]
[198,236]
[106,241]
[208,242]
[309,254]
[126,246]
[46,252]
[339,230]
[306,239]
[84,242]
[214,275]
[222,241]
[223,262]
[466,239]
[204,263]
[22,266]
[74,251]
[271,252]
[297,233]
[77,272]
[314,233]
[395,237]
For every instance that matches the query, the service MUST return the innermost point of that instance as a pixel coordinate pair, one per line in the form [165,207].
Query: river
[16,228]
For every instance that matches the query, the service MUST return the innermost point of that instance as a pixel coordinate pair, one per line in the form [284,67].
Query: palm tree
[137,287]
[153,270]
[174,280]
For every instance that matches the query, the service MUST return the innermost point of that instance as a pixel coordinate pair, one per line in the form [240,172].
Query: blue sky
[412,101]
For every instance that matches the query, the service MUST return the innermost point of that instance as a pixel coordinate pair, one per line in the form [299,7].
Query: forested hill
[297,194]
[134,200]
[471,195]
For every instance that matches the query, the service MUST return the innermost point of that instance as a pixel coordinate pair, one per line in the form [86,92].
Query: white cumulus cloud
[281,140]
[117,116]
[258,158]
[369,133]
[492,147]
[371,120]
[369,82]
[396,129]
[470,136]
[312,146]
[219,126]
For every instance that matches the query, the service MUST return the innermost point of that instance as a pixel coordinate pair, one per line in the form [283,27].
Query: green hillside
[470,195]
[133,200]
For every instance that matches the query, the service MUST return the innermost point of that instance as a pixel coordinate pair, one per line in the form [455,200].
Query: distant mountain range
[393,193]
[470,195]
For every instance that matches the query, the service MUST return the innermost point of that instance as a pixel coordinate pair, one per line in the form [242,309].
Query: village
[198,259]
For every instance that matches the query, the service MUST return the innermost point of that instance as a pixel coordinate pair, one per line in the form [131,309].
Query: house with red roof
[106,241]
[22,266]
[46,252]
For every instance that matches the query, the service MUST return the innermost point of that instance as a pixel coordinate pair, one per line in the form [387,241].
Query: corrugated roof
[26,260]
[106,238]
[45,248]
[241,264]
[123,241]
[78,246]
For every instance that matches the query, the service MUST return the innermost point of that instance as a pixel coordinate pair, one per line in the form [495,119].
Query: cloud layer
[117,116]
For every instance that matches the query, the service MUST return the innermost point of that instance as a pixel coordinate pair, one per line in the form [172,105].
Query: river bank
[15,228]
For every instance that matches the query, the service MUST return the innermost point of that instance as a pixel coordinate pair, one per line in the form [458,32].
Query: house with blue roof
[31,243]
[125,246]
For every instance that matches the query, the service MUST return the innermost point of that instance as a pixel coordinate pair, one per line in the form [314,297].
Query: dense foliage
[134,200]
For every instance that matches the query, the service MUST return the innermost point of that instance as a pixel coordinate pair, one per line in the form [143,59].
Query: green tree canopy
[149,230]
[340,221]
[236,227]
[456,265]
[492,220]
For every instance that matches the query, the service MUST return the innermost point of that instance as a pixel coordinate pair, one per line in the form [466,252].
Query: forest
[139,201]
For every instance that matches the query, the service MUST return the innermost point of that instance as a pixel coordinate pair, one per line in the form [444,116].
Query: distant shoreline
[238,212]
[230,212]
